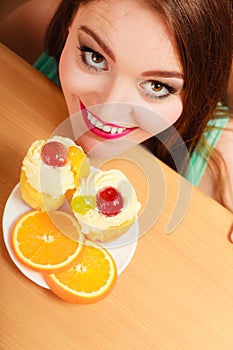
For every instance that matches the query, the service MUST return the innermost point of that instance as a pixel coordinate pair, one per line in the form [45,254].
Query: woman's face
[119,69]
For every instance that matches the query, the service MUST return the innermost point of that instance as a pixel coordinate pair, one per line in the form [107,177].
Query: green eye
[82,204]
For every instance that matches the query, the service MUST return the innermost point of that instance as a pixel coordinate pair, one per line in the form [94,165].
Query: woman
[170,57]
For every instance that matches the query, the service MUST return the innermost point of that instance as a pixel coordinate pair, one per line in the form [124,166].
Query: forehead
[129,26]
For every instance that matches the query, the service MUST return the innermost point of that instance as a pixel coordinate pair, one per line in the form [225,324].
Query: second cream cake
[105,205]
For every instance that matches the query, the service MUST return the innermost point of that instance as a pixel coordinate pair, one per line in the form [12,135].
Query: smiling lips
[104,130]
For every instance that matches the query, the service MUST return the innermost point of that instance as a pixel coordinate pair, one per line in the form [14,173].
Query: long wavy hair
[202,31]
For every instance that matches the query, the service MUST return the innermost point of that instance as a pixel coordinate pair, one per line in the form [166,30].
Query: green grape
[82,204]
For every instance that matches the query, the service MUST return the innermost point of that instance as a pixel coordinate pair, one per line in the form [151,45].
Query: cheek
[161,117]
[67,73]
[174,111]
[73,80]
[64,68]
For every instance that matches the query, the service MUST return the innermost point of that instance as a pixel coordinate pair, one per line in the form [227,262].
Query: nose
[120,113]
[117,101]
[117,89]
[114,102]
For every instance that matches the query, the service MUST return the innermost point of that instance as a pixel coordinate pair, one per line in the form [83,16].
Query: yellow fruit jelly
[79,164]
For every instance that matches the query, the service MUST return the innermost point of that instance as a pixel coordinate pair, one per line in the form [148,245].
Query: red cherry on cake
[109,201]
[54,154]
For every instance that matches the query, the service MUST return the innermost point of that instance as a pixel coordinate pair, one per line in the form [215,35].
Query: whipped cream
[54,181]
[95,221]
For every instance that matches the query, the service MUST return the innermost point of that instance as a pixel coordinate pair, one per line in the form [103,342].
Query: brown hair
[202,32]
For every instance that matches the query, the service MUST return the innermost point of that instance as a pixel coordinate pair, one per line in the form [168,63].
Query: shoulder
[226,140]
[23,30]
[224,149]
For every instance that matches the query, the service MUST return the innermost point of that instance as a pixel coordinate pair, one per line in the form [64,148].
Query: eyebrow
[163,74]
[108,51]
[99,41]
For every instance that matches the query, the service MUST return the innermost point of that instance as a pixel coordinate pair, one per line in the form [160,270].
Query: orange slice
[47,242]
[91,278]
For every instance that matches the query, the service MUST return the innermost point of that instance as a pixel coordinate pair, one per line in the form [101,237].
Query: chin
[97,147]
[103,149]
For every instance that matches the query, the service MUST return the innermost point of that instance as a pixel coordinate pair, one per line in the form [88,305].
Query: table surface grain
[177,291]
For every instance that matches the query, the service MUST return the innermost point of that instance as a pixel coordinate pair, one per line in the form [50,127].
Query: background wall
[6,6]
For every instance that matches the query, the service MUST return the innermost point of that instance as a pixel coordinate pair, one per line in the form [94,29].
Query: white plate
[121,250]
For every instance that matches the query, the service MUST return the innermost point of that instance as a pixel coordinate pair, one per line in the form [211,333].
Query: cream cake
[105,205]
[50,171]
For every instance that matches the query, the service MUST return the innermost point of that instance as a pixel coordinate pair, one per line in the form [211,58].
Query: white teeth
[107,128]
[120,130]
[114,130]
[89,116]
[93,121]
[99,125]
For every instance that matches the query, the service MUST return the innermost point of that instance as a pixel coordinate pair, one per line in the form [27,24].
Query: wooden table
[177,291]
